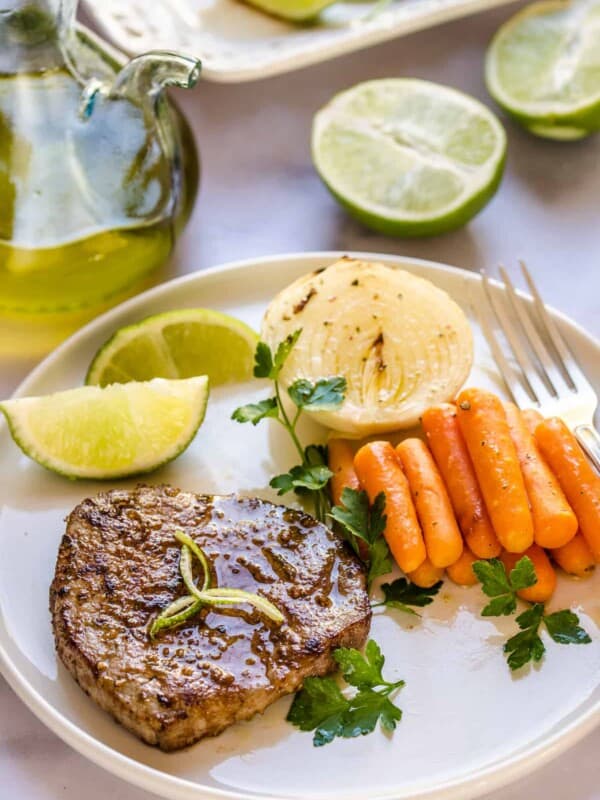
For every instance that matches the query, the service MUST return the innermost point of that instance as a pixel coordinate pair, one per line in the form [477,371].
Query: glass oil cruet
[98,172]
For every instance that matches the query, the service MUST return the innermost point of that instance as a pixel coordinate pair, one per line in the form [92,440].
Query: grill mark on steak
[118,566]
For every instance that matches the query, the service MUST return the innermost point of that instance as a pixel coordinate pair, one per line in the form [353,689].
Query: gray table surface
[260,195]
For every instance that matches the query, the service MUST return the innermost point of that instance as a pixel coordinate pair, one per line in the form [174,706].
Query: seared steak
[117,568]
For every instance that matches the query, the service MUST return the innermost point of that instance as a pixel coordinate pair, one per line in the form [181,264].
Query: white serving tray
[239,43]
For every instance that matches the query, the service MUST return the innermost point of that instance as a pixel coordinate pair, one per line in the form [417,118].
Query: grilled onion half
[401,343]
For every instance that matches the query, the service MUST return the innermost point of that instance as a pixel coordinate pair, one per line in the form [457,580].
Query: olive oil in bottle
[93,187]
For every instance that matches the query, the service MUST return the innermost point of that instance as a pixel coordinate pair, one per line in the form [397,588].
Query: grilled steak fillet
[118,566]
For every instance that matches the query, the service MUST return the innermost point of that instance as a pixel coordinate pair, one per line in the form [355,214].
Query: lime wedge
[109,433]
[408,157]
[177,344]
[543,68]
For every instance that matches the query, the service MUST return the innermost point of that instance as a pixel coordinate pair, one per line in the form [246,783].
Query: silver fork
[542,373]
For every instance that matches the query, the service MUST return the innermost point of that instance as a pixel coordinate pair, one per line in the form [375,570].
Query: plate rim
[280,64]
[485,779]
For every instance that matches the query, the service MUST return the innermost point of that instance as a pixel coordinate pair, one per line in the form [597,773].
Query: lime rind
[436,137]
[548,111]
[145,425]
[150,348]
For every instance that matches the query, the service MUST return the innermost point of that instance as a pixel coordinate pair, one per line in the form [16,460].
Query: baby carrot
[454,463]
[341,463]
[576,476]
[575,557]
[461,572]
[532,419]
[543,590]
[443,539]
[554,522]
[426,575]
[379,470]
[484,427]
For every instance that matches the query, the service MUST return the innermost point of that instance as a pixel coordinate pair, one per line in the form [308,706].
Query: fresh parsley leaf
[321,706]
[263,361]
[492,576]
[302,477]
[358,521]
[267,365]
[255,412]
[402,594]
[315,454]
[524,647]
[318,699]
[362,671]
[283,350]
[531,617]
[365,710]
[563,626]
[311,476]
[502,587]
[380,559]
[353,515]
[522,576]
[501,606]
[326,393]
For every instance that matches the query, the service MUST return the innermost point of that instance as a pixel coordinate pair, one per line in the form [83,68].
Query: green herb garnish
[312,474]
[526,645]
[501,587]
[185,607]
[360,522]
[402,594]
[321,707]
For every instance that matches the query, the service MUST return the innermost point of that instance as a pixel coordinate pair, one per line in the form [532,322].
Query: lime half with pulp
[543,68]
[408,157]
[177,344]
[109,433]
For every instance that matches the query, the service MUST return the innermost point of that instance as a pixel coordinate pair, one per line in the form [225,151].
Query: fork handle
[589,439]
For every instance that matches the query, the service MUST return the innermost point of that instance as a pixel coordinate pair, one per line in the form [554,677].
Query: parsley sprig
[503,588]
[320,705]
[312,474]
[403,594]
[526,645]
[360,522]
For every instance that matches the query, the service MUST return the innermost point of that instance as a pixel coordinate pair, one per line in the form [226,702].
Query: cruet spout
[146,75]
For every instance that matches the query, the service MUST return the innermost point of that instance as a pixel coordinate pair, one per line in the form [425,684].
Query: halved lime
[291,9]
[408,157]
[109,433]
[543,68]
[177,344]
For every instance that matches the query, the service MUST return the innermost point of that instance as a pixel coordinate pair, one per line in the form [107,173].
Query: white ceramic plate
[468,724]
[238,43]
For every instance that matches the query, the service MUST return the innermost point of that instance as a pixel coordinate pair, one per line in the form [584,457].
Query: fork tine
[533,384]
[510,376]
[573,374]
[549,372]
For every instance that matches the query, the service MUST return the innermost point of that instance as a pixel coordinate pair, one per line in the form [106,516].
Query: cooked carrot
[484,427]
[461,572]
[576,476]
[532,419]
[426,575]
[543,590]
[554,522]
[443,539]
[341,463]
[575,557]
[454,463]
[379,470]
